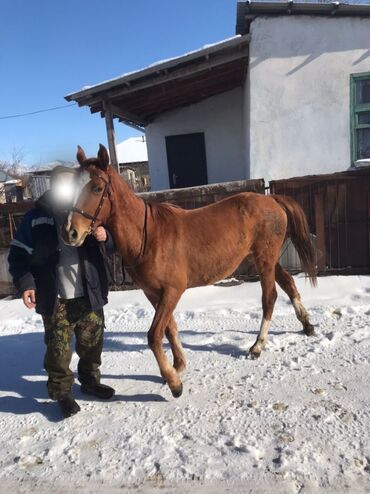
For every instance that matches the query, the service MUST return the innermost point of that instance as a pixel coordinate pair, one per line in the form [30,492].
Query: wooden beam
[153,80]
[173,96]
[235,44]
[124,120]
[133,125]
[320,231]
[125,115]
[110,134]
[368,223]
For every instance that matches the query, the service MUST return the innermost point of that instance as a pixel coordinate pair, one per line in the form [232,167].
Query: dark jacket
[34,255]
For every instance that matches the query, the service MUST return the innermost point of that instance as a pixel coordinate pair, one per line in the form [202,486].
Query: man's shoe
[99,390]
[68,406]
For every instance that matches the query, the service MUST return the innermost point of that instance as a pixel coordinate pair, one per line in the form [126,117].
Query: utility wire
[37,111]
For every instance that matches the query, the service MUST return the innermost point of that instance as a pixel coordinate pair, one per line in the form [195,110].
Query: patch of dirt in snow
[295,420]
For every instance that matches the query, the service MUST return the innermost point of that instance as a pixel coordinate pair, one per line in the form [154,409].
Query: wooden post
[320,231]
[11,226]
[368,224]
[108,115]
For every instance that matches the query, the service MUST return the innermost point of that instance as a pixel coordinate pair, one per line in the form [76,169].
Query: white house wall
[299,75]
[221,120]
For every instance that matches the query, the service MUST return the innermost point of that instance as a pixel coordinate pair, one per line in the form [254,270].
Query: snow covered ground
[296,420]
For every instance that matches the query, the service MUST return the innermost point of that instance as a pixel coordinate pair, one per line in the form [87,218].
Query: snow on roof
[47,167]
[132,150]
[149,68]
[12,182]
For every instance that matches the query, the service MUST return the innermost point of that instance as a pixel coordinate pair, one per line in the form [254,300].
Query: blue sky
[49,48]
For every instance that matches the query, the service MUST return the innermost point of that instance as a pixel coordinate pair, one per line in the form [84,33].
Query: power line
[37,111]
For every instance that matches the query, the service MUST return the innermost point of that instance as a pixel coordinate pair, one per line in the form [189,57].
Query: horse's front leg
[162,317]
[179,360]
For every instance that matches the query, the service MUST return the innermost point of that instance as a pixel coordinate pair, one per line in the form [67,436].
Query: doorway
[186,158]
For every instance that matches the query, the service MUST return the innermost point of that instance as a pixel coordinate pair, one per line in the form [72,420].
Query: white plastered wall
[221,119]
[299,77]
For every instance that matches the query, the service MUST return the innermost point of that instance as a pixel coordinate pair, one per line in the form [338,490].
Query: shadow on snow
[21,357]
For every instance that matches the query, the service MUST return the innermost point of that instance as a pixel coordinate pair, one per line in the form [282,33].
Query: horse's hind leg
[266,270]
[287,284]
[179,361]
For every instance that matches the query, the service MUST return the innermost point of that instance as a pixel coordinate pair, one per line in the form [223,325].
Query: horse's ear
[103,157]
[81,156]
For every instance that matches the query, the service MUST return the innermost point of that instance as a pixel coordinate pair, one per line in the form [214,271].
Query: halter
[95,216]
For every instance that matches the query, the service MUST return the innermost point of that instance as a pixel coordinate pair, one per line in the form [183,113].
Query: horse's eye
[97,189]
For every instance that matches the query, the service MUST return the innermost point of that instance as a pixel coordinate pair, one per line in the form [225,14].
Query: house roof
[138,97]
[249,10]
[132,150]
[46,168]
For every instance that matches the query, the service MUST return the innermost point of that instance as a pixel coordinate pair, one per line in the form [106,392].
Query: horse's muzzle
[70,236]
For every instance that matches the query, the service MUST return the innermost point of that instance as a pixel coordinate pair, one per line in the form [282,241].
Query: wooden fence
[338,211]
[196,197]
[191,198]
[11,215]
[337,207]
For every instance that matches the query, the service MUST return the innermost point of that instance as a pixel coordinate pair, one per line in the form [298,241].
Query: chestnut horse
[168,249]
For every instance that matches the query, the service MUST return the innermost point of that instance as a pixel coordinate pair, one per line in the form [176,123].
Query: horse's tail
[300,234]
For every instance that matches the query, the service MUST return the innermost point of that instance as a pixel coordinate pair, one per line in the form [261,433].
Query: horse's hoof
[177,392]
[179,368]
[255,353]
[309,330]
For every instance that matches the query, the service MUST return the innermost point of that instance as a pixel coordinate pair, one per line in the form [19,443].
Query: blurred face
[88,198]
[63,190]
[90,209]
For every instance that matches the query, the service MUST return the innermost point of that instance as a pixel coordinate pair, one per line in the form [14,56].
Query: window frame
[355,110]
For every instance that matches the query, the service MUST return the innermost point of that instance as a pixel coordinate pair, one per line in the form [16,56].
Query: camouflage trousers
[72,317]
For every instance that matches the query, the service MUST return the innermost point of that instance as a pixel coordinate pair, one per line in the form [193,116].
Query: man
[68,286]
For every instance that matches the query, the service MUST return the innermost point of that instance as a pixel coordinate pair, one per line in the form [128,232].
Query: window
[360,116]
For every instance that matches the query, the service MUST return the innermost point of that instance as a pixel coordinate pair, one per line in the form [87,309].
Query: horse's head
[92,206]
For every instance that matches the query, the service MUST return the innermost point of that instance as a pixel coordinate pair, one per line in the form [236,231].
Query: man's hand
[29,298]
[100,234]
